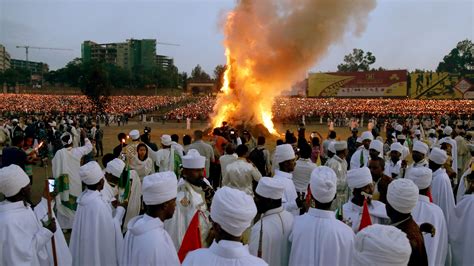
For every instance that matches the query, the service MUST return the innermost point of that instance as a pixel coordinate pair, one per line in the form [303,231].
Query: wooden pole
[50,216]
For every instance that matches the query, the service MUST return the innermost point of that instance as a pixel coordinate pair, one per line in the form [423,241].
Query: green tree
[357,61]
[219,75]
[183,80]
[198,74]
[13,76]
[94,83]
[459,60]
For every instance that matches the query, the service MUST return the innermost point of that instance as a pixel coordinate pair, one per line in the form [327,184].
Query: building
[34,67]
[131,55]
[164,62]
[4,58]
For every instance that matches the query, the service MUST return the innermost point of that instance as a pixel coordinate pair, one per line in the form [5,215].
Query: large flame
[270,44]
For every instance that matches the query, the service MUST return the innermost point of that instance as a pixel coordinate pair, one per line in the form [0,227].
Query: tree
[357,61]
[94,83]
[183,80]
[219,75]
[199,75]
[12,76]
[459,60]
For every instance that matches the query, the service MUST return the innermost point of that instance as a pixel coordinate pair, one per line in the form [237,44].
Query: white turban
[70,138]
[193,160]
[233,210]
[159,187]
[91,173]
[367,135]
[115,167]
[402,195]
[396,147]
[283,153]
[402,137]
[166,140]
[323,184]
[340,145]
[417,132]
[359,140]
[134,134]
[420,146]
[376,145]
[270,188]
[448,130]
[381,245]
[438,156]
[432,131]
[399,128]
[12,180]
[359,177]
[331,147]
[421,176]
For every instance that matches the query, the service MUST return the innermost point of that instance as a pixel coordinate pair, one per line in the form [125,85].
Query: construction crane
[39,48]
[166,43]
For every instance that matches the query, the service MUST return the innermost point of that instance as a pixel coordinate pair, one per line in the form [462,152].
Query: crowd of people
[199,109]
[397,194]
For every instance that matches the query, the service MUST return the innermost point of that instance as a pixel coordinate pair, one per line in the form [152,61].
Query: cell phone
[51,185]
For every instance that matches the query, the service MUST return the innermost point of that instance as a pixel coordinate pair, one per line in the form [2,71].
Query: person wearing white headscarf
[232,212]
[130,150]
[284,158]
[269,236]
[441,189]
[65,167]
[393,166]
[428,212]
[193,198]
[96,239]
[402,197]
[360,158]
[146,241]
[447,131]
[360,182]
[23,239]
[338,164]
[165,157]
[468,171]
[381,245]
[419,154]
[318,238]
[376,149]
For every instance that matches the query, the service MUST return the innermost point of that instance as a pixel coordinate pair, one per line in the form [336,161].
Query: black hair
[241,150]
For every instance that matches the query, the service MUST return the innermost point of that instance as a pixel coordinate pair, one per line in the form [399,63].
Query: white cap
[420,146]
[91,173]
[359,140]
[331,147]
[417,132]
[70,138]
[159,187]
[12,180]
[399,128]
[367,135]
[283,153]
[402,195]
[52,124]
[359,177]
[448,130]
[134,134]
[396,146]
[15,120]
[193,160]
[270,188]
[340,145]
[401,137]
[421,176]
[115,167]
[376,145]
[323,184]
[233,210]
[438,156]
[166,140]
[432,131]
[69,121]
[381,245]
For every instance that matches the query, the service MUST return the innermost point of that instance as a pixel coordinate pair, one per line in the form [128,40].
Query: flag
[365,219]
[192,238]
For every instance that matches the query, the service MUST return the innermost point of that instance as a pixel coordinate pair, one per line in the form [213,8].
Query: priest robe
[461,231]
[351,214]
[442,193]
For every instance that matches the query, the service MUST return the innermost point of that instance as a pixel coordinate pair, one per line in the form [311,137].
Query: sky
[402,34]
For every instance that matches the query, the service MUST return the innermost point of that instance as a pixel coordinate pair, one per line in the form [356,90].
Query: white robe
[147,243]
[355,159]
[442,193]
[461,231]
[68,161]
[62,250]
[96,239]
[134,201]
[228,253]
[277,226]
[462,187]
[290,196]
[454,152]
[319,239]
[23,239]
[392,169]
[164,159]
[437,246]
[351,214]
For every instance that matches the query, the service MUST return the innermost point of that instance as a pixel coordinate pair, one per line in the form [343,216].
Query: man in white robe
[23,240]
[241,174]
[65,166]
[95,238]
[427,212]
[393,166]
[146,241]
[419,154]
[360,158]
[461,229]
[338,164]
[318,238]
[468,171]
[447,131]
[360,182]
[269,237]
[441,189]
[164,158]
[284,158]
[232,212]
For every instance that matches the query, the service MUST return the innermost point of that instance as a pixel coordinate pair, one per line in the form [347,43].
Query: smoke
[272,44]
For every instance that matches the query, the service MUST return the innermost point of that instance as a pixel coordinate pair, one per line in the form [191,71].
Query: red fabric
[192,238]
[365,220]
[429,196]
[308,197]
